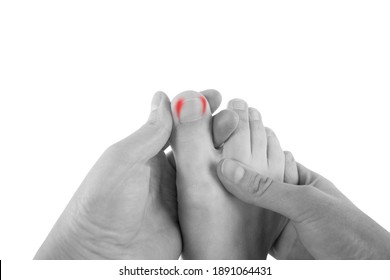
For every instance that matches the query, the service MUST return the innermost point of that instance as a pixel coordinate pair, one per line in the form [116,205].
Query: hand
[288,246]
[328,225]
[126,207]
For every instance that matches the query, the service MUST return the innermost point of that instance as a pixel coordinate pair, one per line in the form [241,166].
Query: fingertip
[164,96]
[161,112]
[219,166]
[220,171]
[160,100]
[232,170]
[165,101]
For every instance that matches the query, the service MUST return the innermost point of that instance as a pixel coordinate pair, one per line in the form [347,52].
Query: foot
[214,224]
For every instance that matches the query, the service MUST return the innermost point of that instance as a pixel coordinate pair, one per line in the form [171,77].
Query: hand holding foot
[328,225]
[126,208]
[214,224]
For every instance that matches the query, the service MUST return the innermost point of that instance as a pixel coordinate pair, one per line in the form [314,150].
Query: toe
[224,125]
[191,138]
[258,138]
[238,145]
[214,98]
[275,155]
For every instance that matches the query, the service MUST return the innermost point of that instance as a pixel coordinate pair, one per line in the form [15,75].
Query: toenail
[204,103]
[179,106]
[255,115]
[191,110]
[239,104]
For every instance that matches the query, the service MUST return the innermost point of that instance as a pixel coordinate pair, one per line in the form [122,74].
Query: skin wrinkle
[260,185]
[104,192]
[268,152]
[89,243]
[104,228]
[332,208]
[250,138]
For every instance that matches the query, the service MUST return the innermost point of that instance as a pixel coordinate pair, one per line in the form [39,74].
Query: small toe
[258,136]
[239,144]
[275,155]
[224,125]
[214,98]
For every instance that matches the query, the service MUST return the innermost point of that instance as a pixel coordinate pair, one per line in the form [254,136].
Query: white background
[77,76]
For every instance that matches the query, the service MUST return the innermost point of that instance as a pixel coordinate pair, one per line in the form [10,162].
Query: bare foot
[214,224]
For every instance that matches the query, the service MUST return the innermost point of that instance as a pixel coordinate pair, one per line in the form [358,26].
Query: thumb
[249,186]
[153,136]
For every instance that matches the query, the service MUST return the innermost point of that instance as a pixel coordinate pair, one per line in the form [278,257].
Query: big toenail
[239,104]
[192,110]
[179,106]
[204,103]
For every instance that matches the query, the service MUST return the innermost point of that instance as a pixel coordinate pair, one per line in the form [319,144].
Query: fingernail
[191,111]
[238,104]
[156,101]
[232,170]
[255,115]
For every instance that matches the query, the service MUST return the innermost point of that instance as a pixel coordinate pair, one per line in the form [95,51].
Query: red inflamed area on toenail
[179,106]
[203,99]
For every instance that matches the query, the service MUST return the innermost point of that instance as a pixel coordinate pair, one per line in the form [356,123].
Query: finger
[290,169]
[224,124]
[308,177]
[152,137]
[213,97]
[289,200]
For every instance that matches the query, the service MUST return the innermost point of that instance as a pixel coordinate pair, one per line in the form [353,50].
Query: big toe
[191,138]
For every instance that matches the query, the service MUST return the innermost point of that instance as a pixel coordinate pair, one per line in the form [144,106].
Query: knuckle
[254,184]
[257,184]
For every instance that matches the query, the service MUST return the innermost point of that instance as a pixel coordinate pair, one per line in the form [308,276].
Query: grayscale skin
[323,223]
[215,224]
[126,207]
